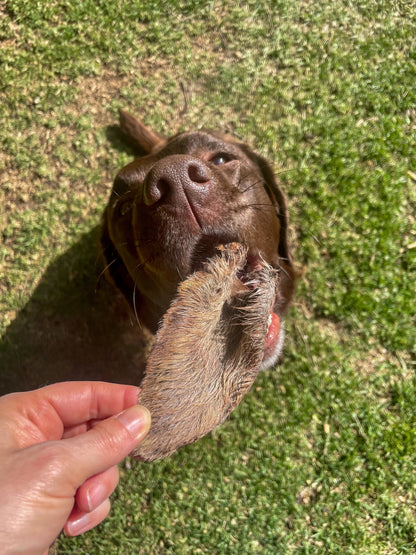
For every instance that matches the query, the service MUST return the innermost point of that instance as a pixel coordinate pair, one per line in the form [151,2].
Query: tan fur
[207,352]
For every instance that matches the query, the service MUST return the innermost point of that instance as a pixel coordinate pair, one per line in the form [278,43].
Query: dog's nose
[176,179]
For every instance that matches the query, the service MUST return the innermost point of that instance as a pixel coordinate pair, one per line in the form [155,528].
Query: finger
[96,489]
[72,431]
[103,446]
[79,402]
[79,522]
[80,428]
[44,414]
[75,430]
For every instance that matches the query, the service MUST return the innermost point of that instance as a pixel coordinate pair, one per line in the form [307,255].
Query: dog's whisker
[103,272]
[253,186]
[259,205]
[285,170]
[282,269]
[134,305]
[180,273]
[141,265]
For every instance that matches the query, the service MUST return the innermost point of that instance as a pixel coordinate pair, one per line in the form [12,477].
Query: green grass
[320,456]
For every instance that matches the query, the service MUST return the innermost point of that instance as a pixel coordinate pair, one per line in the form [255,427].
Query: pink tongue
[273,330]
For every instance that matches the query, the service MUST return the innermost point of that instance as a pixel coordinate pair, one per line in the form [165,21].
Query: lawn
[320,457]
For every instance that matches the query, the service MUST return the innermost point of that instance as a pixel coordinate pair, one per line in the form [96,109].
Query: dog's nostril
[198,173]
[155,190]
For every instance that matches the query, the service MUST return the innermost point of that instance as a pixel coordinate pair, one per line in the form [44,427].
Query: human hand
[59,449]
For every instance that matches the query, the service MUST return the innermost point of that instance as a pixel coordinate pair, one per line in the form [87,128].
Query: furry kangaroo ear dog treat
[208,350]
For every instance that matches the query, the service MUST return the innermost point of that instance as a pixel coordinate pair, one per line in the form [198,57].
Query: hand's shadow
[73,328]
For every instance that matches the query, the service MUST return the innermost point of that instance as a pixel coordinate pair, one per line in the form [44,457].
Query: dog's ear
[139,136]
[289,274]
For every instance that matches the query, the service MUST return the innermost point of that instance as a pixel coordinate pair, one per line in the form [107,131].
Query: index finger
[78,402]
[43,414]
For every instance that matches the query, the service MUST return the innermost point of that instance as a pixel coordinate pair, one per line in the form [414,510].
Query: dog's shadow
[74,327]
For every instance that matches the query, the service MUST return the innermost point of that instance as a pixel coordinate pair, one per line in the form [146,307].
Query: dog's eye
[221,158]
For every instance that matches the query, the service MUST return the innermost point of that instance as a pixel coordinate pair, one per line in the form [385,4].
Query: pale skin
[59,450]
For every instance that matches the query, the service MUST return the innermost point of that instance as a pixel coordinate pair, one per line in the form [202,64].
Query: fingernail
[78,526]
[78,522]
[96,494]
[136,420]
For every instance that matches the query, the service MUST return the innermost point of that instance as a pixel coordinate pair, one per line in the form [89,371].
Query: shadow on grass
[73,328]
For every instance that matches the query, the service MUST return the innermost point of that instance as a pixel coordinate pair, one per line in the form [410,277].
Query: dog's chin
[274,342]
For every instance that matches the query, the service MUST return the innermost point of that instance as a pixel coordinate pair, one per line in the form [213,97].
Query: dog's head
[172,207]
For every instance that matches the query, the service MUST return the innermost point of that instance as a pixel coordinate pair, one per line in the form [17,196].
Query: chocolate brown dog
[195,237]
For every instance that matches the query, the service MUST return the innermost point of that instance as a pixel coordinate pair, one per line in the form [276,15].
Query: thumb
[106,444]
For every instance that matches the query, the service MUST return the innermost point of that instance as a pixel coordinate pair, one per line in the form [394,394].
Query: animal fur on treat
[217,324]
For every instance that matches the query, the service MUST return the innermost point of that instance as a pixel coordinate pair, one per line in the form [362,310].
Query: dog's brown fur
[168,214]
